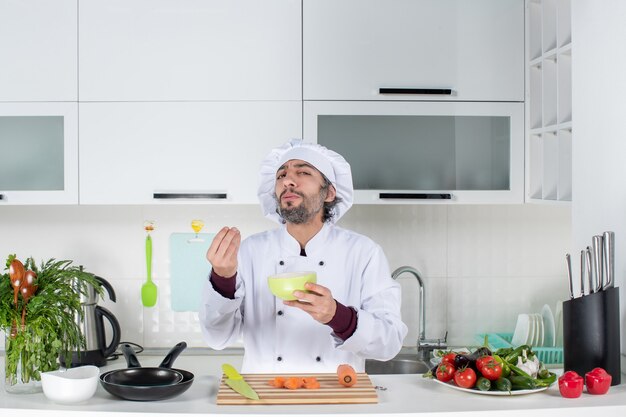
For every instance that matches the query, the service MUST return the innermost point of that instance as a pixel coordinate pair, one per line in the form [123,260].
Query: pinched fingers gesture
[222,253]
[318,302]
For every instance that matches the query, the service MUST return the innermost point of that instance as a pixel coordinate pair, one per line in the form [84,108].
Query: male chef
[352,313]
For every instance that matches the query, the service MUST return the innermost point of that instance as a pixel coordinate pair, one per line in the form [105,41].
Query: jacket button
[280,312]
[280,358]
[321,263]
[318,359]
[281,263]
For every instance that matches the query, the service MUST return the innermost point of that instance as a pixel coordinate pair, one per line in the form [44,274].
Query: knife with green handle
[236,382]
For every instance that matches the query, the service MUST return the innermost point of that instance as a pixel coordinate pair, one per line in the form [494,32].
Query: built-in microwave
[425,152]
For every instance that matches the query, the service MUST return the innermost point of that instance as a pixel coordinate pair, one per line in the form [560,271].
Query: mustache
[292,191]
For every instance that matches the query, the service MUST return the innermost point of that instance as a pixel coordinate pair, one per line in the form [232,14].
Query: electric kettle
[92,327]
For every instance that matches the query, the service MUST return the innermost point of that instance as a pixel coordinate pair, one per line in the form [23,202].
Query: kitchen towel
[189,269]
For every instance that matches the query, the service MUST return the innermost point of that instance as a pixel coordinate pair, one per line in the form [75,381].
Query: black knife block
[591,333]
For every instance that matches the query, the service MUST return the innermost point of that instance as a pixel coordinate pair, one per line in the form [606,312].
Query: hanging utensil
[568,264]
[597,247]
[149,288]
[609,259]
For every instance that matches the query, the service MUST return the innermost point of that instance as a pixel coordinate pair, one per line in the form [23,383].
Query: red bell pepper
[571,384]
[598,381]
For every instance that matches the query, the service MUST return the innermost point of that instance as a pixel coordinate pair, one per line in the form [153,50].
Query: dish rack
[547,355]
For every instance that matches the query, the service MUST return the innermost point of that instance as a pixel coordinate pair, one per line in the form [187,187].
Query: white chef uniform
[282,339]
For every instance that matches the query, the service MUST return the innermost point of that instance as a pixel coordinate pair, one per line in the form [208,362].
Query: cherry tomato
[571,385]
[445,372]
[489,367]
[449,358]
[598,381]
[465,378]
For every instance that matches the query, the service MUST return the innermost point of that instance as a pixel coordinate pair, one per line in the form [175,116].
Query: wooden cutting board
[330,391]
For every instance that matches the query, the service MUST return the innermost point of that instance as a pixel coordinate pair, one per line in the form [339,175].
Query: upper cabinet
[188,50]
[39,144]
[549,101]
[155,153]
[38,50]
[413,50]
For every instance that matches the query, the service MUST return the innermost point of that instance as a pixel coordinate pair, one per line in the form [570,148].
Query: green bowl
[283,285]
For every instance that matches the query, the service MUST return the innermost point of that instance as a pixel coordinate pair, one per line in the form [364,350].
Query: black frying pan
[148,392]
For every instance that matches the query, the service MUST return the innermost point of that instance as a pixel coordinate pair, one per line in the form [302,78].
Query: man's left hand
[318,302]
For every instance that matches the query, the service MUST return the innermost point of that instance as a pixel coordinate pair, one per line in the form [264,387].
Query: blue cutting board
[189,268]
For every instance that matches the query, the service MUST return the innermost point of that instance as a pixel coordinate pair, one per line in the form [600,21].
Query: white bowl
[70,386]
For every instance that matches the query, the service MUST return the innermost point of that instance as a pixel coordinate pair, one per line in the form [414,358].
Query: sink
[401,364]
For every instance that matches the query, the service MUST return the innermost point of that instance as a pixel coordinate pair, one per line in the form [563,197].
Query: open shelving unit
[548,101]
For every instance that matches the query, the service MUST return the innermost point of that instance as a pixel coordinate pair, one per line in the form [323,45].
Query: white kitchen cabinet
[425,152]
[549,101]
[159,153]
[39,146]
[164,50]
[38,50]
[353,48]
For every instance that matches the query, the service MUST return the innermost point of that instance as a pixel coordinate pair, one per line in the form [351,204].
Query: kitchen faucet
[424,346]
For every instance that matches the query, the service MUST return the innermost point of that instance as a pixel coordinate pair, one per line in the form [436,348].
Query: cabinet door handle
[416,196]
[1,196]
[208,196]
[429,91]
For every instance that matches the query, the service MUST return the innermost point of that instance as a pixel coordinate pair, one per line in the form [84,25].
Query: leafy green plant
[50,326]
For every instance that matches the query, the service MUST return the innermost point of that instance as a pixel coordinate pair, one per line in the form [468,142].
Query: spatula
[149,288]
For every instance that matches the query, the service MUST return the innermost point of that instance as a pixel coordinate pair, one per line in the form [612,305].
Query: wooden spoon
[28,289]
[16,274]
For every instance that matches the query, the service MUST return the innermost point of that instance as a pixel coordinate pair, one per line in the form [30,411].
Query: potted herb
[39,307]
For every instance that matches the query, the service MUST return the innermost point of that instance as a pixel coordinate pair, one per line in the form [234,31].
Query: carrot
[278,382]
[346,375]
[311,383]
[293,383]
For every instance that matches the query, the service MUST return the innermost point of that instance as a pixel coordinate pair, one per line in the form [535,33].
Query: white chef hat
[328,162]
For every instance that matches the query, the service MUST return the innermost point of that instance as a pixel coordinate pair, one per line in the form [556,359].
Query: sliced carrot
[278,382]
[346,375]
[311,383]
[293,383]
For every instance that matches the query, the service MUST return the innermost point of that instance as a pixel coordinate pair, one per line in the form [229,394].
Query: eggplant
[464,360]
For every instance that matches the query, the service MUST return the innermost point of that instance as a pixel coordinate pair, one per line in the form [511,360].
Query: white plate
[558,319]
[496,393]
[549,326]
[540,330]
[522,330]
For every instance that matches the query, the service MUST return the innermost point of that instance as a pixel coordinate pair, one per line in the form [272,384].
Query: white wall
[482,265]
[599,138]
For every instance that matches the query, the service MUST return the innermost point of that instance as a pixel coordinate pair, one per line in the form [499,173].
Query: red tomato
[598,381]
[465,378]
[445,372]
[448,358]
[571,385]
[489,367]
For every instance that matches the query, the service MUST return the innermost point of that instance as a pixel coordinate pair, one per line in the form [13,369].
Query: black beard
[308,208]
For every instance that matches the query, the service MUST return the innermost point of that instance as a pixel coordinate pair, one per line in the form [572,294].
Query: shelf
[549,101]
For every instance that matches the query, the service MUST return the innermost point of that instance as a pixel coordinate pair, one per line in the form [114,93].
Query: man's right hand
[222,253]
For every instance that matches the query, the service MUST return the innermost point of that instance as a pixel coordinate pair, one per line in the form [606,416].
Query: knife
[236,382]
[597,246]
[568,265]
[583,270]
[589,269]
[609,258]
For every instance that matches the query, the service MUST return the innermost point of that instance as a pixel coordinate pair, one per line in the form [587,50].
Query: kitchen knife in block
[236,382]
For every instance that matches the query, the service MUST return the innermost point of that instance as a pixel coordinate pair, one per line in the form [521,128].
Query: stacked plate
[535,329]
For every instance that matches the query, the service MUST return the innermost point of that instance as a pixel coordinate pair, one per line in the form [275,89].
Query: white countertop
[405,395]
